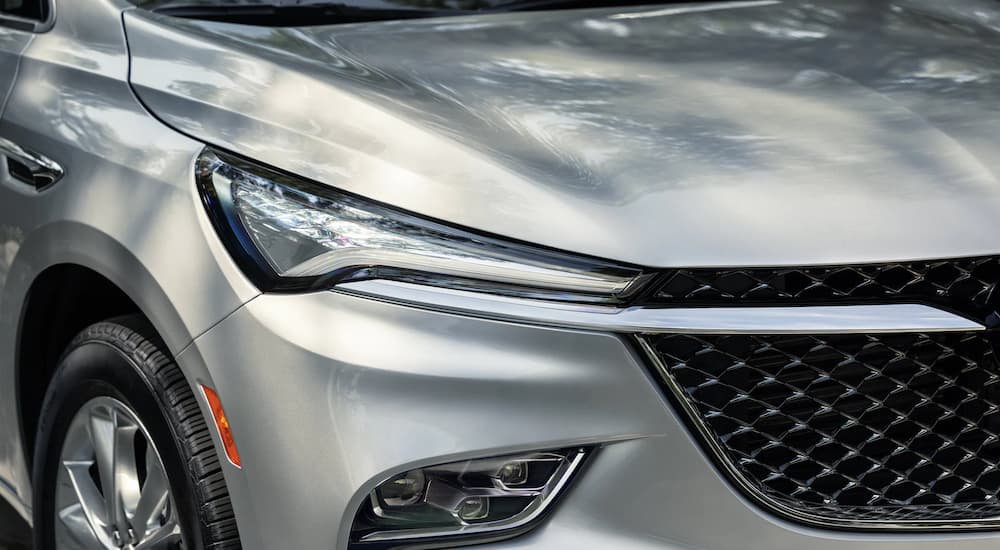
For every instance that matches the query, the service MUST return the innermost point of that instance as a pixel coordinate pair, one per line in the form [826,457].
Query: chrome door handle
[32,168]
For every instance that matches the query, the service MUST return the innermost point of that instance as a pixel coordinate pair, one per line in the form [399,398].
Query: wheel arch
[66,277]
[63,300]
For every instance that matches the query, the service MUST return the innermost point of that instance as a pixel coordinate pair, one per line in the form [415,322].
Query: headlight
[290,234]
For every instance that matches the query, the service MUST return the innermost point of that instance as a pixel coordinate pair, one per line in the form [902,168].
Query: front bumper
[329,394]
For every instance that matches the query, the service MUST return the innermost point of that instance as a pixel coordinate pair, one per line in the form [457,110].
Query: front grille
[848,429]
[964,284]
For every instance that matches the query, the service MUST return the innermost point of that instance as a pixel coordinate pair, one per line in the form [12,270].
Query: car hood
[744,133]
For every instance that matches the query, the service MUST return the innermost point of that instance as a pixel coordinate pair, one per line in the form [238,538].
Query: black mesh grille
[895,427]
[964,284]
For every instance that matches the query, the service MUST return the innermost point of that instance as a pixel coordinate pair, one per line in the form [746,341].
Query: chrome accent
[548,494]
[28,24]
[873,319]
[44,171]
[680,10]
[734,474]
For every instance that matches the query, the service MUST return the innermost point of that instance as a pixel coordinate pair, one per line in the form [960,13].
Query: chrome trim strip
[44,170]
[734,474]
[872,319]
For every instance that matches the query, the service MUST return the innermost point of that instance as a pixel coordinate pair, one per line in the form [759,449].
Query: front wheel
[124,458]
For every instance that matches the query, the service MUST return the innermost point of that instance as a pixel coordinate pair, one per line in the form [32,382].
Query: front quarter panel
[329,394]
[127,207]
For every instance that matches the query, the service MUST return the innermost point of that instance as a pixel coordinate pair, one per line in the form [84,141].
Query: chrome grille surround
[897,430]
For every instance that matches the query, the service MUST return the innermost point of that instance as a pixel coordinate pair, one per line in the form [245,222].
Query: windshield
[433,5]
[386,4]
[282,12]
[317,12]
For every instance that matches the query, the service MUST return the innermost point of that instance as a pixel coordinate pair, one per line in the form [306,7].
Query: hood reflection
[673,113]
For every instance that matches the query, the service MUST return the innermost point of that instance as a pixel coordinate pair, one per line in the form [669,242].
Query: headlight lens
[291,234]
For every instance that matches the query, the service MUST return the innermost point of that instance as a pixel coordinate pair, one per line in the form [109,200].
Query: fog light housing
[476,497]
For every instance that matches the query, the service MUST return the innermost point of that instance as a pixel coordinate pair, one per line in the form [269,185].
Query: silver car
[546,274]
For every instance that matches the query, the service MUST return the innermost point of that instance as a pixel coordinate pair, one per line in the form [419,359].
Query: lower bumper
[329,394]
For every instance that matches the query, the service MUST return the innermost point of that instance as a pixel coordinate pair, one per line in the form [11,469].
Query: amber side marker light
[223,425]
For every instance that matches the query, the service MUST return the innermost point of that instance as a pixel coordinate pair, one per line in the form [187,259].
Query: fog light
[473,509]
[404,490]
[514,473]
[465,498]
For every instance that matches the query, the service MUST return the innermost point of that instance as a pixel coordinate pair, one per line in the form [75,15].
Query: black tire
[123,358]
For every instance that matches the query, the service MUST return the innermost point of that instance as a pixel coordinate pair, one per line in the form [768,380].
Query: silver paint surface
[748,133]
[125,208]
[370,389]
[753,133]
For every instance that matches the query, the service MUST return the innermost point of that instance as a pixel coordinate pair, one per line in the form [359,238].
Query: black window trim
[31,25]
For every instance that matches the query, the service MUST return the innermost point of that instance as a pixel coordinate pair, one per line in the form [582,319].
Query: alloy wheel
[112,489]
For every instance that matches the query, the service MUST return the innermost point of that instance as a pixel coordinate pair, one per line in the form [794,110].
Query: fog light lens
[474,509]
[476,496]
[514,473]
[404,490]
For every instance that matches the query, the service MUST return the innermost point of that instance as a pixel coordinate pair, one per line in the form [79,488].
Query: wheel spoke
[74,532]
[88,515]
[126,471]
[153,498]
[165,537]
[102,434]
